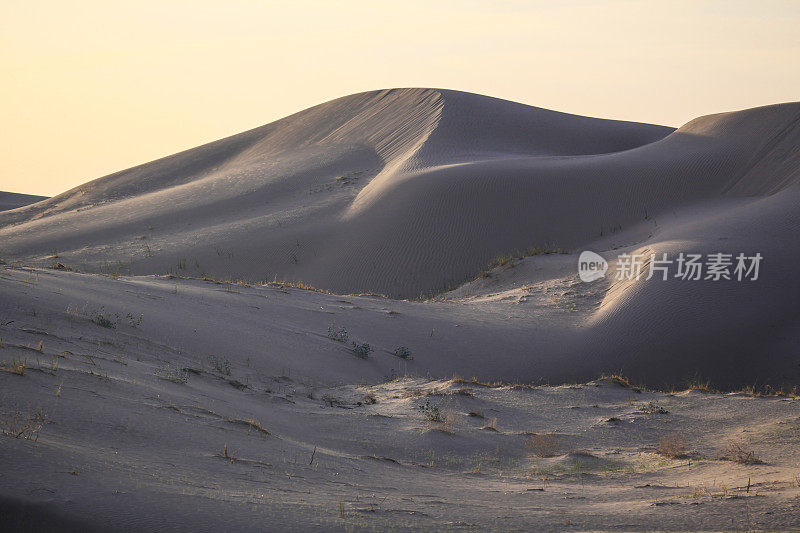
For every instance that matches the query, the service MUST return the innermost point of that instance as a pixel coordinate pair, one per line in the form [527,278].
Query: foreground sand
[132,427]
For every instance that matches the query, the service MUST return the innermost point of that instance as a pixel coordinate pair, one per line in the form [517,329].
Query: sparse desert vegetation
[103,318]
[221,365]
[16,366]
[338,334]
[402,352]
[173,374]
[739,452]
[673,446]
[21,425]
[431,412]
[544,444]
[362,350]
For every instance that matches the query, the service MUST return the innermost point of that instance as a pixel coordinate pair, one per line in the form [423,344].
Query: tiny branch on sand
[23,426]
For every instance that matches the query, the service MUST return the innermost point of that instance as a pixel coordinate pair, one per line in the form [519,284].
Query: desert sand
[12,200]
[183,342]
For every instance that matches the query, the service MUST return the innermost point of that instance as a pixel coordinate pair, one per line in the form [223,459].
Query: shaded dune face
[12,200]
[410,192]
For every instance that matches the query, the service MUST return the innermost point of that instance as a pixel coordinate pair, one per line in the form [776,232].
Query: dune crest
[292,198]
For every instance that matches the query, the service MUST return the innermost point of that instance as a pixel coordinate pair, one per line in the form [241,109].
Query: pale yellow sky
[92,87]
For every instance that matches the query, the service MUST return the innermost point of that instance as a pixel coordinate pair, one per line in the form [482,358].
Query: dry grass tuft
[738,453]
[295,285]
[17,366]
[698,384]
[448,424]
[673,446]
[23,426]
[616,379]
[256,425]
[768,391]
[503,260]
[491,425]
[458,380]
[544,445]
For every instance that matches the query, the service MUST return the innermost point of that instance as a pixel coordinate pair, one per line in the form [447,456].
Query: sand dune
[408,192]
[12,200]
[152,399]
[330,196]
[401,192]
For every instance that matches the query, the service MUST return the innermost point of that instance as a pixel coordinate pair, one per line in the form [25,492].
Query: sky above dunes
[90,88]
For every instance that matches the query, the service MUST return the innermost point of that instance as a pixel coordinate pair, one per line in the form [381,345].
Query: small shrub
[329,399]
[173,374]
[653,408]
[134,320]
[737,453]
[402,352]
[369,399]
[433,413]
[220,364]
[337,334]
[544,445]
[104,319]
[362,350]
[673,446]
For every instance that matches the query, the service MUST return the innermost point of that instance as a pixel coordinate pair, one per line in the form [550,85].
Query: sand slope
[401,192]
[13,200]
[343,196]
[136,428]
[410,191]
